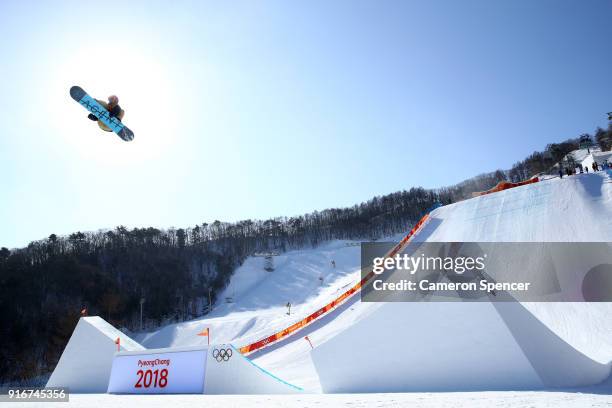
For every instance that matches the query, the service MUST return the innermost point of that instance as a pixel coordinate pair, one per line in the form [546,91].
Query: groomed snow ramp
[85,364]
[239,375]
[474,346]
[448,346]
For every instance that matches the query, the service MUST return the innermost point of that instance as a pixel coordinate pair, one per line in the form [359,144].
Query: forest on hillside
[45,286]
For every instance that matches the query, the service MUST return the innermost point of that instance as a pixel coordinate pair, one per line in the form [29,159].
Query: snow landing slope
[487,346]
[577,208]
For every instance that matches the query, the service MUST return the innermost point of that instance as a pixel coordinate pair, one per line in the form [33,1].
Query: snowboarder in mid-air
[112,106]
[108,115]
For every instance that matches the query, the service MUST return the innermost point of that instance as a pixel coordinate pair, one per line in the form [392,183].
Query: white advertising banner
[158,372]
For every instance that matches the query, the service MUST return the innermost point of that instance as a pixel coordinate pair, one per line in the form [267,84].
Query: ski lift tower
[268,259]
[585,142]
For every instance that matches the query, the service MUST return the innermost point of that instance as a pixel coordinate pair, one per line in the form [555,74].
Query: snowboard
[78,94]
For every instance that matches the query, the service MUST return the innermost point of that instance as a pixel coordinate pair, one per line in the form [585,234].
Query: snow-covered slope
[305,278]
[572,209]
[450,346]
[577,208]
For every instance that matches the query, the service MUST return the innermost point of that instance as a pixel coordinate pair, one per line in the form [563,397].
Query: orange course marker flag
[205,332]
[118,343]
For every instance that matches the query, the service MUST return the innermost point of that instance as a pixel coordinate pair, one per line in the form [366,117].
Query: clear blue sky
[253,109]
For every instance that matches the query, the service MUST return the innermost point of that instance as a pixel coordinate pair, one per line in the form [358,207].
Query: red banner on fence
[334,303]
[505,185]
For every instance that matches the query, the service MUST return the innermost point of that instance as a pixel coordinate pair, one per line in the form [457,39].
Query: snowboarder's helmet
[113,99]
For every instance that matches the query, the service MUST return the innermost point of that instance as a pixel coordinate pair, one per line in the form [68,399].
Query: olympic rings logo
[222,354]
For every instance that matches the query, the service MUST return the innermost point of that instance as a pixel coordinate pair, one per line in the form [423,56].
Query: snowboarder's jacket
[114,111]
